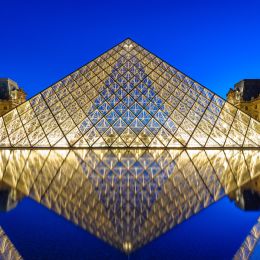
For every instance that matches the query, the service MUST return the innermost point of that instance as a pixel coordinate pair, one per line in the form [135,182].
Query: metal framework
[7,249]
[128,97]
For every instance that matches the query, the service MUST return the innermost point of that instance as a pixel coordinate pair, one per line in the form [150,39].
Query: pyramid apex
[128,43]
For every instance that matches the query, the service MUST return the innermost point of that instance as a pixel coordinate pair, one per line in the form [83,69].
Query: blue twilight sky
[216,42]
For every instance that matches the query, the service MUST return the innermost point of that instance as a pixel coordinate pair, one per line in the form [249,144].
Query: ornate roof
[6,88]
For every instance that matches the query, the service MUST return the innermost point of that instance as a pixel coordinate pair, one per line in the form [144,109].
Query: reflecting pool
[129,203]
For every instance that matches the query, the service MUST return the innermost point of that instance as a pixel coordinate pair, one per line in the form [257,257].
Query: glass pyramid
[128,97]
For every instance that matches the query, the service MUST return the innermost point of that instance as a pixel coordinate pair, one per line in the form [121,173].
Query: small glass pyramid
[128,97]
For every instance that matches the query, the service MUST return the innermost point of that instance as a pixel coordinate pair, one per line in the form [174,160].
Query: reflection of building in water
[127,197]
[9,197]
[7,249]
[246,96]
[251,245]
[10,95]
[247,197]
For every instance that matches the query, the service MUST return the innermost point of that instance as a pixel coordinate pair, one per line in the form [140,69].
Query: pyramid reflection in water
[127,197]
